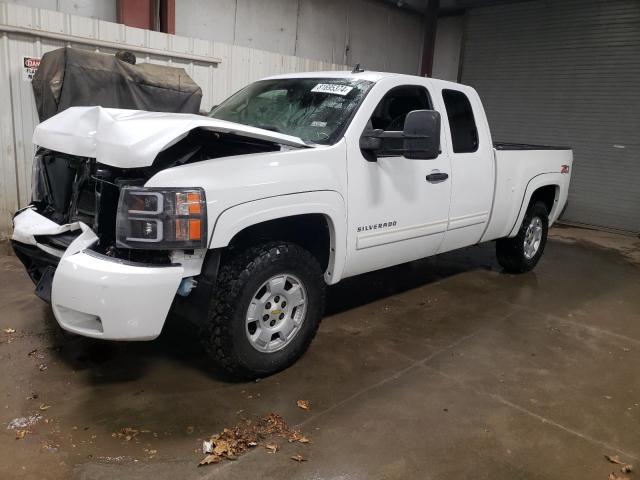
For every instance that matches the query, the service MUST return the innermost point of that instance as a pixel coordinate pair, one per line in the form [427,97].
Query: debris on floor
[127,433]
[298,458]
[624,467]
[9,330]
[23,423]
[237,440]
[272,447]
[304,404]
[615,476]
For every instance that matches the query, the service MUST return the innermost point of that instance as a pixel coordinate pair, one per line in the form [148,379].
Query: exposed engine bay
[68,188]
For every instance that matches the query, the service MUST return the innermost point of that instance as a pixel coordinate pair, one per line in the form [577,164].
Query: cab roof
[363,75]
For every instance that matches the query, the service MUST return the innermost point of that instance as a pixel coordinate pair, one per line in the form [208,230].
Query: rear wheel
[521,253]
[265,309]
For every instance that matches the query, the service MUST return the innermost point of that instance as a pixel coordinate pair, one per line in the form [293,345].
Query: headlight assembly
[161,218]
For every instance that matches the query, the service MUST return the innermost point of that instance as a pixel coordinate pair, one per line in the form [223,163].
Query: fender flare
[542,180]
[325,202]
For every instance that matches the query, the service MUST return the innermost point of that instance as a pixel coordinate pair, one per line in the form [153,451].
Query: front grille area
[67,188]
[64,187]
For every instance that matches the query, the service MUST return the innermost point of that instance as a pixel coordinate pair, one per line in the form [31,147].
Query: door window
[391,112]
[462,124]
[396,104]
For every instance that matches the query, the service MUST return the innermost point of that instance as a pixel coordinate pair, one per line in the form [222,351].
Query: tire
[517,256]
[273,266]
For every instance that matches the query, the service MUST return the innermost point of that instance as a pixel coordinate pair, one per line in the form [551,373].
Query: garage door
[567,72]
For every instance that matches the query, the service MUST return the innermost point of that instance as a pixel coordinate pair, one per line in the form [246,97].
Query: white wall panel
[322,30]
[446,59]
[102,9]
[18,117]
[377,34]
[207,19]
[268,25]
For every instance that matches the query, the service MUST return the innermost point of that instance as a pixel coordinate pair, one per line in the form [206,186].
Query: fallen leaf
[44,407]
[20,434]
[615,476]
[246,434]
[626,468]
[9,330]
[298,458]
[127,433]
[614,459]
[42,367]
[303,404]
[209,459]
[296,436]
[272,447]
[207,447]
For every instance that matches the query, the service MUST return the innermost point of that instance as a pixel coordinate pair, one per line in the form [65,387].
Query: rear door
[472,166]
[395,213]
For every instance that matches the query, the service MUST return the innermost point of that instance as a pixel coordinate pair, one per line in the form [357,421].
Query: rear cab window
[462,123]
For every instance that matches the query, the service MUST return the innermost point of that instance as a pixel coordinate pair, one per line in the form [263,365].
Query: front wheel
[521,253]
[265,309]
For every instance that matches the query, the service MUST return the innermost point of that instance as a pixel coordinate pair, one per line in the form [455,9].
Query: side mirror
[421,135]
[371,141]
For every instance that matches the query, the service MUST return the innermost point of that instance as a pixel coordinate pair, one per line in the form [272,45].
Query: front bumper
[104,297]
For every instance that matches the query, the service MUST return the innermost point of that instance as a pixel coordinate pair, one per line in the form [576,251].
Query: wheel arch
[295,217]
[546,188]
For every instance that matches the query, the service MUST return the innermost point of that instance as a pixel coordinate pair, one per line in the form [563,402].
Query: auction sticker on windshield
[332,88]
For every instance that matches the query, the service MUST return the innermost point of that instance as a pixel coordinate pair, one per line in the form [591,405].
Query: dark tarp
[70,77]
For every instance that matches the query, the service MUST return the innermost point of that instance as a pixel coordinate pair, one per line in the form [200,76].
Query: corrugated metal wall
[238,66]
[567,72]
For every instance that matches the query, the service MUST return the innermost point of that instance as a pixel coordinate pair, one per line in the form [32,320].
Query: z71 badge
[376,226]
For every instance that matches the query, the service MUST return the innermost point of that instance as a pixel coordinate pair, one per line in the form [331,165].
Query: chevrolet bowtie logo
[276,312]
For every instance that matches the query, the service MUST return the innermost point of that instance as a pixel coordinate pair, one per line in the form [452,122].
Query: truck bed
[519,169]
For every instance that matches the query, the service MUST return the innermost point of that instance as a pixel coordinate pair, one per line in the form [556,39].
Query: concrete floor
[440,369]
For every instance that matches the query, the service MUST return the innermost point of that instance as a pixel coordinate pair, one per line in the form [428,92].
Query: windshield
[317,110]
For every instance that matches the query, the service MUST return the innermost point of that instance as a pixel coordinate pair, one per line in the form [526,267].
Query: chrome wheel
[533,238]
[276,313]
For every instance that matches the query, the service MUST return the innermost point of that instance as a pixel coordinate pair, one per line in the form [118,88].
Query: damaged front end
[109,253]
[69,191]
[67,240]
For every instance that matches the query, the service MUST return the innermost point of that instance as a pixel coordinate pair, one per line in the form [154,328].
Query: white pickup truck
[239,220]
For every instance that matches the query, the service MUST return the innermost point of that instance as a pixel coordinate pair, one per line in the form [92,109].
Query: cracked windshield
[317,110]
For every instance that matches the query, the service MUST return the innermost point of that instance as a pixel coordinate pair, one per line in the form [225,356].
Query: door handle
[437,177]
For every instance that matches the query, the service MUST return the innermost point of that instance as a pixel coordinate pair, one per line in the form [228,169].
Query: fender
[542,180]
[326,202]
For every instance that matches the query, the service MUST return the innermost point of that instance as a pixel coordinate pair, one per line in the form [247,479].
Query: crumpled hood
[133,138]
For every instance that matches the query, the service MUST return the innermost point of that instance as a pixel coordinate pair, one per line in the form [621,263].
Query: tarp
[71,77]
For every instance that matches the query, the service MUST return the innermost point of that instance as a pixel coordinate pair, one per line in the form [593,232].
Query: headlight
[161,218]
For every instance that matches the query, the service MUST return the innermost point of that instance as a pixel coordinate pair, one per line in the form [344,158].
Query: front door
[397,213]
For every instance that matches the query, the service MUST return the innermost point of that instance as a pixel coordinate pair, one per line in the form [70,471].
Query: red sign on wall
[29,67]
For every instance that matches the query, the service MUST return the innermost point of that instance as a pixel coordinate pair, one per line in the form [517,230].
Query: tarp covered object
[71,77]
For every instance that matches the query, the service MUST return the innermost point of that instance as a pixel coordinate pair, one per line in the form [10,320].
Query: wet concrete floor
[439,369]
